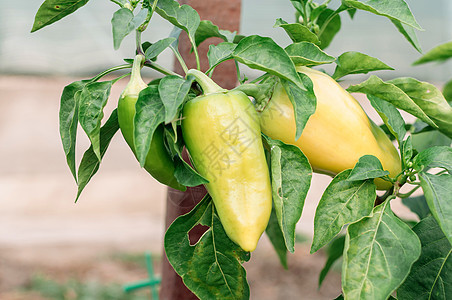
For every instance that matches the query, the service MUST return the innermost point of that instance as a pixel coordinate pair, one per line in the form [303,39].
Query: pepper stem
[207,84]
[136,67]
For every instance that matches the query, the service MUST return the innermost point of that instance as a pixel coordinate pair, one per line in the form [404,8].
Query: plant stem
[381,199]
[159,68]
[195,50]
[120,77]
[148,17]
[138,42]
[100,75]
[117,2]
[406,195]
[180,59]
[207,84]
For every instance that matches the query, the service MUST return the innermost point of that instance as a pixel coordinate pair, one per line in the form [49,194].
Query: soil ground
[118,216]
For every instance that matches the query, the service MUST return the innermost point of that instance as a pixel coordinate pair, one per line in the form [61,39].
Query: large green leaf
[433,157]
[155,49]
[430,100]
[262,53]
[394,9]
[211,268]
[431,275]
[308,54]
[89,164]
[69,120]
[304,102]
[124,22]
[418,205]
[297,32]
[93,99]
[409,33]
[184,17]
[207,29]
[438,193]
[342,202]
[367,167]
[330,26]
[219,53]
[357,63]
[378,255]
[390,116]
[439,53]
[291,176]
[173,90]
[51,11]
[150,113]
[389,92]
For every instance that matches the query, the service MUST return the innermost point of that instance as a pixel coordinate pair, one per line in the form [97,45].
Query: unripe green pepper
[158,162]
[222,134]
[336,135]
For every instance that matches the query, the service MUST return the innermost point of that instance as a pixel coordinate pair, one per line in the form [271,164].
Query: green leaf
[438,193]
[262,53]
[389,92]
[276,237]
[394,9]
[150,113]
[333,252]
[184,17]
[430,100]
[155,49]
[439,53]
[342,202]
[69,120]
[173,90]
[308,54]
[409,33]
[186,175]
[124,22]
[439,156]
[219,53]
[378,254]
[331,28]
[89,164]
[424,140]
[390,116]
[447,91]
[367,167]
[291,176]
[418,205]
[431,275]
[357,63]
[53,10]
[211,268]
[297,32]
[304,102]
[93,99]
[207,30]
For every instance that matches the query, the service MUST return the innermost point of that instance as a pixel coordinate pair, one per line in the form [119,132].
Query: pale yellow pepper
[336,135]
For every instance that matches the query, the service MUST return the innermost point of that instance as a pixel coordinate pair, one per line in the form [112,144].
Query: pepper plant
[256,157]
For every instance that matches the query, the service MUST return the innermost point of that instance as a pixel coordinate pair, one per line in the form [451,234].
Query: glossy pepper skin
[158,162]
[222,134]
[336,135]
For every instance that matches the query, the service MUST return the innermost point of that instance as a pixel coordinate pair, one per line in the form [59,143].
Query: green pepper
[222,134]
[158,162]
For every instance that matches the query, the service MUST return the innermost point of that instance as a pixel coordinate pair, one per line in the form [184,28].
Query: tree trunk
[226,15]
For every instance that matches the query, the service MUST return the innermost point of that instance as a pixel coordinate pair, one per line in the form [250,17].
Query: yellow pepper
[336,135]
[222,134]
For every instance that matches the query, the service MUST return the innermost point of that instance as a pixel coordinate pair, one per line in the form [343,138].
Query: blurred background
[51,248]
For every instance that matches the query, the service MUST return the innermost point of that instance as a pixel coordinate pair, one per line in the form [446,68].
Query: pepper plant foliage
[381,253]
